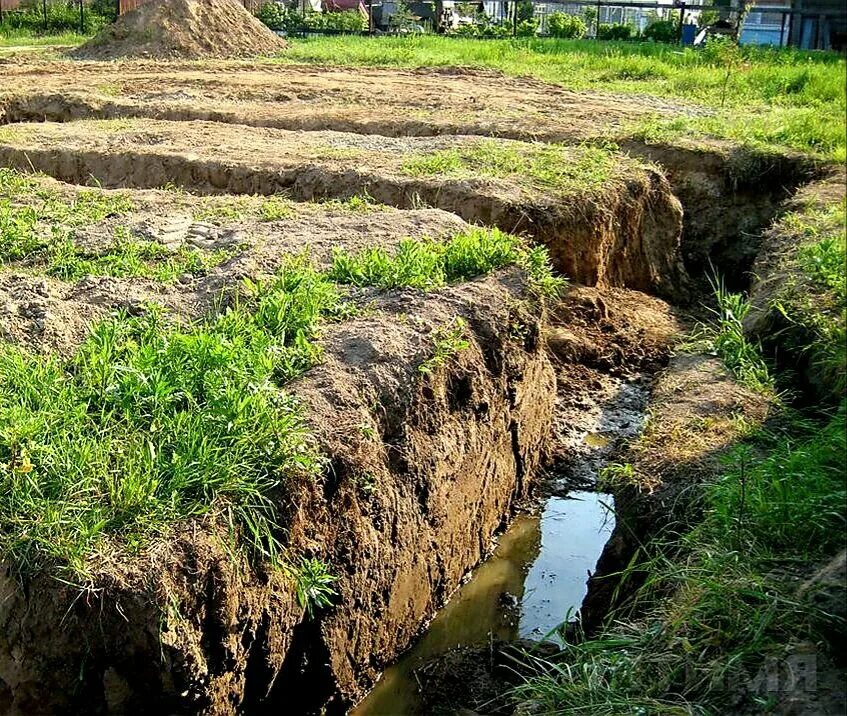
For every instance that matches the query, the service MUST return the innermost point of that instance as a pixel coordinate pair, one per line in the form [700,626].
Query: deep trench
[726,209]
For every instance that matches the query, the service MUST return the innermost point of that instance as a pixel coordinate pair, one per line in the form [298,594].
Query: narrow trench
[537,574]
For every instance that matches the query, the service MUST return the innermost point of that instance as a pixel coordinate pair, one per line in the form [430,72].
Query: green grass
[37,227]
[428,264]
[22,38]
[779,97]
[725,337]
[542,166]
[714,609]
[448,340]
[812,299]
[151,423]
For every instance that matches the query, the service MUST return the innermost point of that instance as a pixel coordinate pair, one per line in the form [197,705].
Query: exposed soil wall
[729,194]
[625,236]
[401,516]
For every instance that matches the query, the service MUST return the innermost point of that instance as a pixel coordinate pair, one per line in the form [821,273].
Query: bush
[527,28]
[346,21]
[61,17]
[614,32]
[483,27]
[661,31]
[560,24]
[291,22]
[273,15]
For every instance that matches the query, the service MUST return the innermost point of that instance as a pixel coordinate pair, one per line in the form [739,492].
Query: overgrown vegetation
[725,337]
[713,610]
[56,18]
[151,423]
[811,297]
[720,597]
[776,97]
[429,264]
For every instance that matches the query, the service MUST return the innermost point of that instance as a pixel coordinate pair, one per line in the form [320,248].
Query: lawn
[775,97]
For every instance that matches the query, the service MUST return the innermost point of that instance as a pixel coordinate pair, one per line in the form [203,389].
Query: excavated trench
[454,459]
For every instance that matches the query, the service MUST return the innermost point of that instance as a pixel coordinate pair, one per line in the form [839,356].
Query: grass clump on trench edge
[37,228]
[152,422]
[719,598]
[776,96]
[428,264]
[813,298]
[542,166]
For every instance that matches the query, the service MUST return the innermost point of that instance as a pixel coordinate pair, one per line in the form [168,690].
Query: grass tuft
[428,264]
[151,423]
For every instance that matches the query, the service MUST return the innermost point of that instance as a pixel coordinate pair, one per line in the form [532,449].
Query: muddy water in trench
[537,574]
[535,578]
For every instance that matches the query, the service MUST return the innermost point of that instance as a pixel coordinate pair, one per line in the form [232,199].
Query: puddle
[533,581]
[537,576]
[597,440]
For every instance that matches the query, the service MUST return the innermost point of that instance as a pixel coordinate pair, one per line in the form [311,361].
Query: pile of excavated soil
[184,29]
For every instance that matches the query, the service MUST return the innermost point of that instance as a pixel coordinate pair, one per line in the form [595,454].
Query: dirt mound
[187,29]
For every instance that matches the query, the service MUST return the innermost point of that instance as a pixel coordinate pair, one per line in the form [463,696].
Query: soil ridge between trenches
[626,236]
[186,628]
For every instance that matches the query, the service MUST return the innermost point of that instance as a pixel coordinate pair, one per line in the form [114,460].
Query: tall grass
[429,264]
[712,610]
[725,337]
[150,423]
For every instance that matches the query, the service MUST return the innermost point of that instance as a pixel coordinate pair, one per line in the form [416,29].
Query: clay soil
[449,459]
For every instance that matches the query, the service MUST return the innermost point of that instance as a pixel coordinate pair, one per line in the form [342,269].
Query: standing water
[534,581]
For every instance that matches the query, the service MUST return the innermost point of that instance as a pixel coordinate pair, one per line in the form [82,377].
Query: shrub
[560,24]
[61,17]
[614,32]
[346,21]
[292,22]
[273,15]
[527,28]
[661,31]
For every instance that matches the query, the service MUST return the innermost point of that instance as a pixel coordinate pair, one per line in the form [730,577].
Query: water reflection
[535,578]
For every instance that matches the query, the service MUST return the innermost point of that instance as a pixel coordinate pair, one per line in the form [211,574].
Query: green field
[776,97]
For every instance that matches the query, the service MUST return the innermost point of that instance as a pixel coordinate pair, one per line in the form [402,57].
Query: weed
[709,613]
[726,339]
[428,264]
[356,204]
[314,585]
[448,341]
[615,476]
[543,166]
[275,208]
[37,227]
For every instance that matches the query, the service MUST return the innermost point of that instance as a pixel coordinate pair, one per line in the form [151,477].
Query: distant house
[819,24]
[808,24]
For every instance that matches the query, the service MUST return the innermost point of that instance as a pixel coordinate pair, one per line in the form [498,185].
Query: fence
[46,16]
[765,24]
